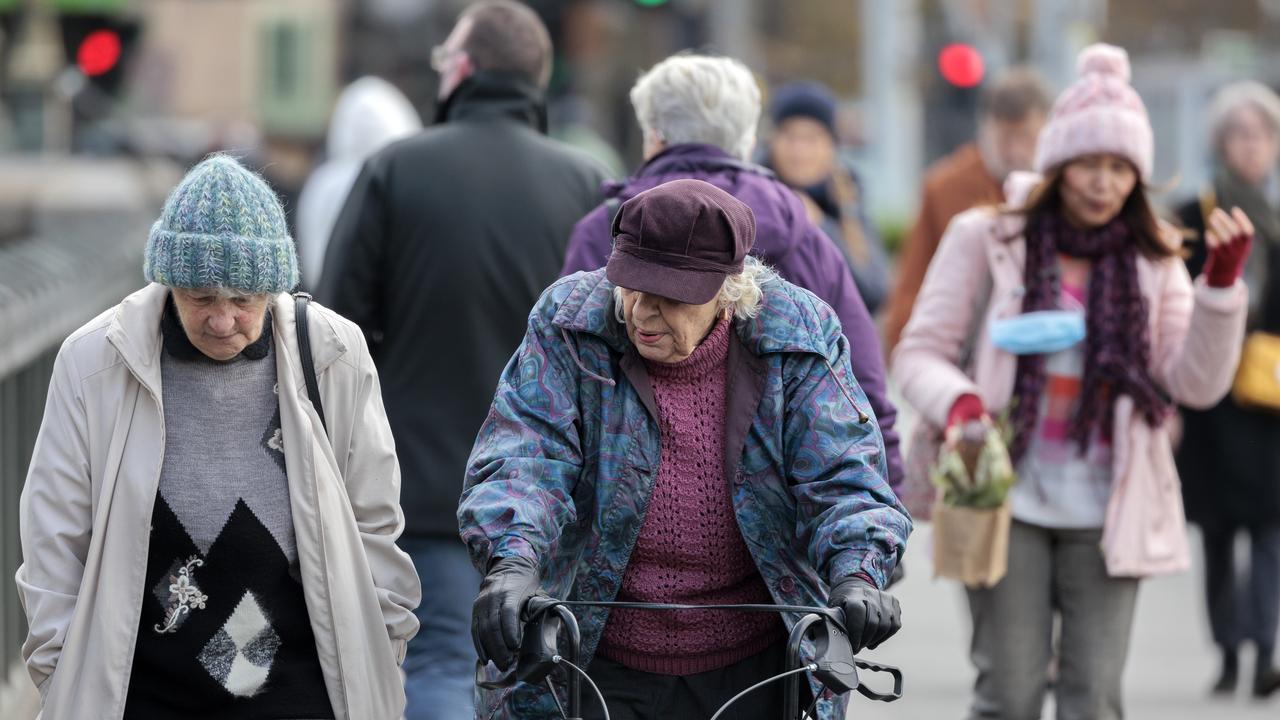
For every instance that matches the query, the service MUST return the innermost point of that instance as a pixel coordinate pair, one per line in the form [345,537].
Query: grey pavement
[1172,661]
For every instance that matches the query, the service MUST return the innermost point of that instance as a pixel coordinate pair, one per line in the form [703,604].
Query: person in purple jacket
[699,117]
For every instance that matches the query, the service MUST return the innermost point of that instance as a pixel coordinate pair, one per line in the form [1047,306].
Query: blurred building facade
[263,74]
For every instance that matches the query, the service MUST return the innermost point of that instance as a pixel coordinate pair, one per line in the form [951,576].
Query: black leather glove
[899,572]
[871,615]
[496,627]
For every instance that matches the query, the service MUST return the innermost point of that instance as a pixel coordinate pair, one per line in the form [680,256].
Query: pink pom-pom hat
[1099,113]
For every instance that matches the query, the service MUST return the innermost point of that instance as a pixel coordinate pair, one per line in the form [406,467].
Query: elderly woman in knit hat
[196,543]
[680,426]
[1084,327]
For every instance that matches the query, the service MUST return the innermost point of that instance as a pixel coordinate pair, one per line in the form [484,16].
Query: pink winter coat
[1196,333]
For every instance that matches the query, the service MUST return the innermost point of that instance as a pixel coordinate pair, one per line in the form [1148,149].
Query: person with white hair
[698,115]
[683,427]
[1229,464]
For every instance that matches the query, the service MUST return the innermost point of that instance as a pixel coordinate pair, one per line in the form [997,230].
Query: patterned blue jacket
[565,462]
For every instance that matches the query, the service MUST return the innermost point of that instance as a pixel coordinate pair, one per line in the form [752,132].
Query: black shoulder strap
[301,300]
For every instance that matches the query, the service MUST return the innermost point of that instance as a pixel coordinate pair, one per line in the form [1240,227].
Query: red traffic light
[98,52]
[961,65]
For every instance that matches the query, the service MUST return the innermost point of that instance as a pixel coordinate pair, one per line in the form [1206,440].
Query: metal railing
[71,240]
[21,406]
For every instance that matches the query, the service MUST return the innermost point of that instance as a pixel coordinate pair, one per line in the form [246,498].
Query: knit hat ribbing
[1099,113]
[222,227]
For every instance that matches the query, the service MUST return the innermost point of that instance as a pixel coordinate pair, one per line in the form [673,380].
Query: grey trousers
[1051,573]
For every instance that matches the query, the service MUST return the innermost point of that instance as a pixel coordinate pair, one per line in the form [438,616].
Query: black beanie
[804,99]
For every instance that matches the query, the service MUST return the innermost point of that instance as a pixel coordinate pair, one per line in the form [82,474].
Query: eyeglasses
[440,56]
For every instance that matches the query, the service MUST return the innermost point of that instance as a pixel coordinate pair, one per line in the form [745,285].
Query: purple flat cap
[680,240]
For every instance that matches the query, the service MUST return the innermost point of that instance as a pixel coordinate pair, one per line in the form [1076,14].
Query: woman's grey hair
[743,292]
[226,293]
[1235,96]
[699,99]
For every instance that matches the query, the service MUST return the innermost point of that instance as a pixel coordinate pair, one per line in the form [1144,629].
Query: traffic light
[99,52]
[100,45]
[951,106]
[961,65]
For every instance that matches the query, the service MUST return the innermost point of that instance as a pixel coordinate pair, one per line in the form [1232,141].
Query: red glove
[967,407]
[1229,237]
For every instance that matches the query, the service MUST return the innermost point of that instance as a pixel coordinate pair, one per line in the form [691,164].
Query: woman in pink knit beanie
[1090,330]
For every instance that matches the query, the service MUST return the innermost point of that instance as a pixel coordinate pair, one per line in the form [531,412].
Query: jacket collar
[134,332]
[326,346]
[789,319]
[489,95]
[692,158]
[1018,187]
[682,158]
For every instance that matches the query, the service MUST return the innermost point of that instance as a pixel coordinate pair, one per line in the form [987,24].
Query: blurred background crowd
[887,116]
[180,78]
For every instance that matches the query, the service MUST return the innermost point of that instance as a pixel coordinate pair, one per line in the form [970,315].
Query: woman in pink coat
[1072,317]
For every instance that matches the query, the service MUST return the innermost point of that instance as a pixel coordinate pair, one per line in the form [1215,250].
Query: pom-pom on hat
[1099,113]
[222,227]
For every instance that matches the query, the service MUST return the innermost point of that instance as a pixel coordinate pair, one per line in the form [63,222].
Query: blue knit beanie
[222,227]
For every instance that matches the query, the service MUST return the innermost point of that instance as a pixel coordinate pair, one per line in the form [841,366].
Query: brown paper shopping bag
[971,544]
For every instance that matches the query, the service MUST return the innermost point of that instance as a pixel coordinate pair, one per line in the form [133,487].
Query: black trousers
[635,695]
[1243,609]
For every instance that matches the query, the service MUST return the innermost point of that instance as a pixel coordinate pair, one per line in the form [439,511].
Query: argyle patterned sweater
[224,630]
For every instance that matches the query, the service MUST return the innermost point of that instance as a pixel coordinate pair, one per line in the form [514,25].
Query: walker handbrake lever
[539,648]
[838,666]
[868,693]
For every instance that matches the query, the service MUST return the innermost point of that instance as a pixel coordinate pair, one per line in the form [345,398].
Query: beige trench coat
[86,512]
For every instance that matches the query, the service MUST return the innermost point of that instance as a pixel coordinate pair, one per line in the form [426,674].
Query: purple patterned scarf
[1117,346]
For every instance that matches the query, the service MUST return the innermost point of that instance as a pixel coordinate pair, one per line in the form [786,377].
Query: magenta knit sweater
[690,549]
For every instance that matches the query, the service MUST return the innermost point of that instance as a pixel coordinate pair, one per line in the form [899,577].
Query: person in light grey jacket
[204,538]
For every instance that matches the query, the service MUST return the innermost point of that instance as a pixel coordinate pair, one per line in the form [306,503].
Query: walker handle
[895,673]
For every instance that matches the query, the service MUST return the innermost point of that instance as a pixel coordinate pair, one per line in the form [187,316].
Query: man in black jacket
[445,243]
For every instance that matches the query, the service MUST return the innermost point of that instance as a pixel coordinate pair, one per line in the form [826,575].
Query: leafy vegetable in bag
[982,482]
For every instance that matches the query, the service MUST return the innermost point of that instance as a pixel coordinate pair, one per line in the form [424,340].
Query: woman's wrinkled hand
[1228,237]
